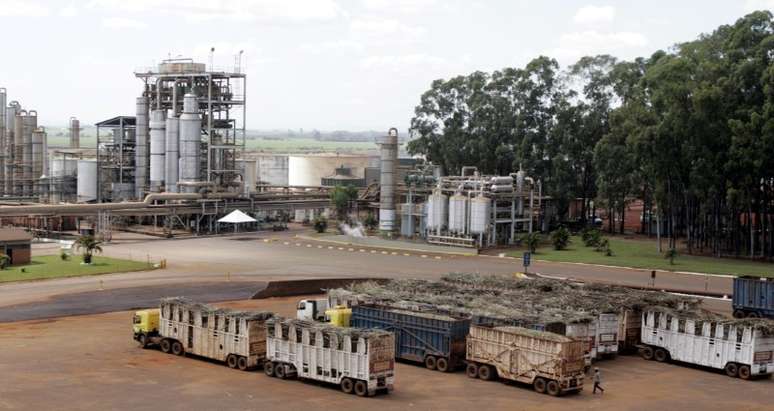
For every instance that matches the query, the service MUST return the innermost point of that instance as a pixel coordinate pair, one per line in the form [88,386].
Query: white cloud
[591,42]
[120,23]
[337,47]
[386,29]
[594,14]
[403,62]
[753,5]
[401,6]
[21,8]
[203,10]
[68,11]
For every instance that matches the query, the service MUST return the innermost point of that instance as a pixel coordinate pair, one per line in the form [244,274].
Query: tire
[752,314]
[142,339]
[486,372]
[472,370]
[430,362]
[231,361]
[442,365]
[166,346]
[739,314]
[553,388]
[744,372]
[279,371]
[539,385]
[361,388]
[268,368]
[647,353]
[242,363]
[347,386]
[177,348]
[732,370]
[661,355]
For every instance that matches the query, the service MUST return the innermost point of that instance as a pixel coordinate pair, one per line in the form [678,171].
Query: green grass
[51,266]
[644,254]
[302,145]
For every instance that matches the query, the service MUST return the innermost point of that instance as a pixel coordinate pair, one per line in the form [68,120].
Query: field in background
[636,253]
[51,266]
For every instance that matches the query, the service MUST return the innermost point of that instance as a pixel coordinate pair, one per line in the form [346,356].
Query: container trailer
[181,327]
[753,297]
[551,363]
[430,337]
[741,348]
[358,361]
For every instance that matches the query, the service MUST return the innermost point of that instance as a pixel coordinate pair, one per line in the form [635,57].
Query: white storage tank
[249,175]
[457,213]
[479,214]
[87,180]
[436,208]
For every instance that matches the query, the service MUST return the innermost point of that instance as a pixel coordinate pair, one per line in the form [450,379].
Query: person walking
[597,382]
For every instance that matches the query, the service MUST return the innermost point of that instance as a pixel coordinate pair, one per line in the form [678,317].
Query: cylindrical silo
[87,180]
[141,147]
[158,148]
[75,133]
[389,157]
[172,156]
[190,142]
[37,152]
[479,214]
[436,210]
[3,142]
[18,153]
[249,170]
[10,121]
[30,124]
[457,213]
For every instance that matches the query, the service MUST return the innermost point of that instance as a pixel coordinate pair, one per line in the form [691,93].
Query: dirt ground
[91,363]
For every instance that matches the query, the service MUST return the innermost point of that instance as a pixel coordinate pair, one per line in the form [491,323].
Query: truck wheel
[552,388]
[661,355]
[279,371]
[142,339]
[647,353]
[732,370]
[739,314]
[752,314]
[430,362]
[472,370]
[442,365]
[166,346]
[268,368]
[231,361]
[744,372]
[486,373]
[177,348]
[242,363]
[347,386]
[361,388]
[539,385]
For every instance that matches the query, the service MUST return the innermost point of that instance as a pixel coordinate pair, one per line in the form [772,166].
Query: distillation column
[172,157]
[75,133]
[141,148]
[157,149]
[10,121]
[18,153]
[3,142]
[389,157]
[190,143]
[30,124]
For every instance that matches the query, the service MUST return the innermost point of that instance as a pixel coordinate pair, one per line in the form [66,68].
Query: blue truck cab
[753,297]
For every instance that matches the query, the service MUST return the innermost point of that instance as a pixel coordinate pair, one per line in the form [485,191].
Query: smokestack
[389,156]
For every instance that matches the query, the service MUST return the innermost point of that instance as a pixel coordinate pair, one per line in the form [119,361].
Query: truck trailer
[753,297]
[359,361]
[742,348]
[551,363]
[432,338]
[181,327]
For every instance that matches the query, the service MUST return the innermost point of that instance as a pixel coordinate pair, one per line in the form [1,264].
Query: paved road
[248,258]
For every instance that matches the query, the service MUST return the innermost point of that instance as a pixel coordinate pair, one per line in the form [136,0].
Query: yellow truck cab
[145,325]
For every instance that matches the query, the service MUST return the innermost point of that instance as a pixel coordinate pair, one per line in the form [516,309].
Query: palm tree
[89,246]
[5,260]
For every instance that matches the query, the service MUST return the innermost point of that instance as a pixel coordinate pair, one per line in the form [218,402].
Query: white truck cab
[313,310]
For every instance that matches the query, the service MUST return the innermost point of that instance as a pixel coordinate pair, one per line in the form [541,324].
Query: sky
[319,64]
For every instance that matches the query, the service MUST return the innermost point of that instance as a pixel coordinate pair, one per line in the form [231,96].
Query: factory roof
[14,234]
[118,121]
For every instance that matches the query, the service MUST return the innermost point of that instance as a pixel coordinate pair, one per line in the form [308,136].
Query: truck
[742,348]
[629,327]
[312,309]
[551,363]
[358,361]
[426,336]
[753,297]
[182,327]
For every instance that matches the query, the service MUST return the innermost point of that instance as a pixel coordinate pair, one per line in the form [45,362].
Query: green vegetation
[531,241]
[560,238]
[308,145]
[52,266]
[637,253]
[320,224]
[342,198]
[89,245]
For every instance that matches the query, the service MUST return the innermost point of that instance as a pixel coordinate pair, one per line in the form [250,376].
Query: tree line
[688,130]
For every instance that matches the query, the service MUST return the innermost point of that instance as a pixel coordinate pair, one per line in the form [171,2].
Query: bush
[531,240]
[591,237]
[670,255]
[5,261]
[604,247]
[320,224]
[371,222]
[560,238]
[63,255]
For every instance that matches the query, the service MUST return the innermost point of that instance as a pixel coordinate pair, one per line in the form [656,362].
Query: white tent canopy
[237,217]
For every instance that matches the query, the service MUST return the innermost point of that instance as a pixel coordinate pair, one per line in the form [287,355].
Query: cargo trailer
[428,336]
[753,297]
[357,360]
[551,363]
[629,327]
[182,327]
[742,348]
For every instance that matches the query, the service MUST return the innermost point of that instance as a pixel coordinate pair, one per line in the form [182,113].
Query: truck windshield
[136,319]
[302,306]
